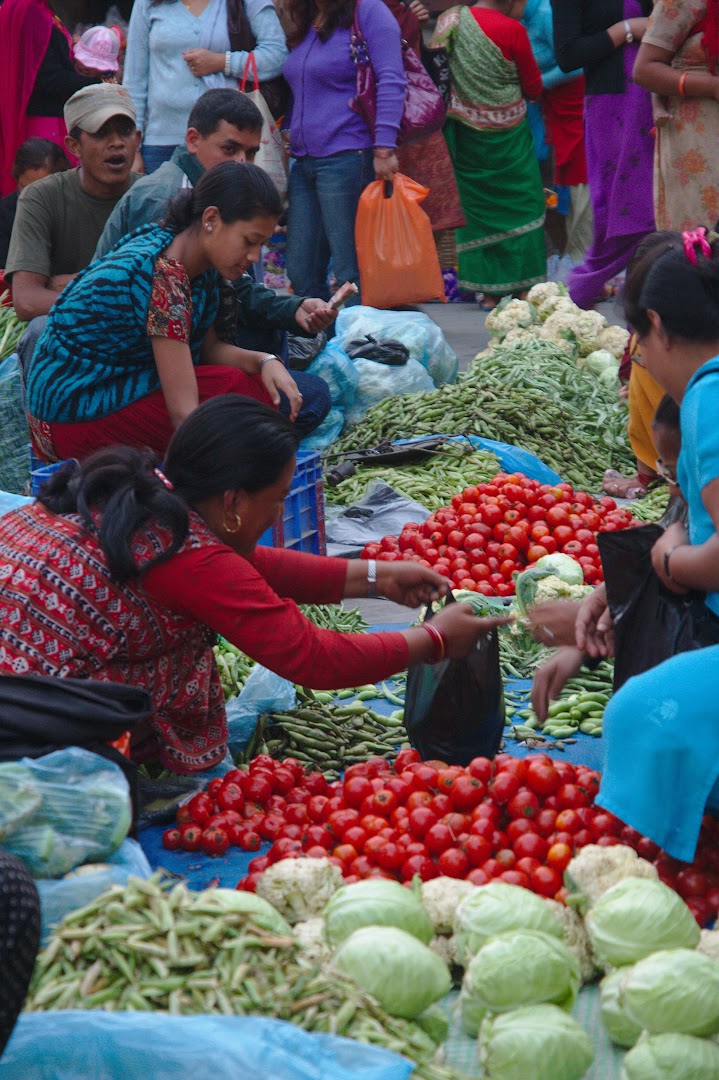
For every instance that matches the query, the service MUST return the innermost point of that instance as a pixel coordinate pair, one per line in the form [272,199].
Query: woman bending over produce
[130,350]
[121,573]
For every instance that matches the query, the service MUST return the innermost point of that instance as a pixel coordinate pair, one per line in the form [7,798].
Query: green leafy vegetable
[534,1043]
[398,970]
[376,902]
[522,967]
[672,1057]
[636,917]
[674,990]
[495,909]
[620,1029]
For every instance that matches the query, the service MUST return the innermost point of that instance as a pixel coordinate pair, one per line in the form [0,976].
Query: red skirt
[428,162]
[564,117]
[145,423]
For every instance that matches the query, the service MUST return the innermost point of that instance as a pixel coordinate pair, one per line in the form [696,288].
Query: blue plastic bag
[59,898]
[9,501]
[135,1046]
[335,367]
[264,692]
[420,334]
[63,809]
[327,432]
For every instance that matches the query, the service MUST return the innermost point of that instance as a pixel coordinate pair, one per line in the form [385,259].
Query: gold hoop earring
[238,525]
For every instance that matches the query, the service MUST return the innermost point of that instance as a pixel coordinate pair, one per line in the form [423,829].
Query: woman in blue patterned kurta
[129,349]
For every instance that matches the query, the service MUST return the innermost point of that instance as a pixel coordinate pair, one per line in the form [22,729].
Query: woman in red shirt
[121,573]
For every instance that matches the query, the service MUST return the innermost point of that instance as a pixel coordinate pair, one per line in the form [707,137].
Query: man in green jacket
[225,125]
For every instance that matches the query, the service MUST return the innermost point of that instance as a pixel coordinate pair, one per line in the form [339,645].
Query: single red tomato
[503,787]
[505,858]
[524,803]
[478,850]
[480,768]
[558,857]
[478,876]
[527,865]
[692,882]
[515,877]
[419,864]
[542,777]
[441,804]
[700,909]
[466,792]
[568,821]
[518,827]
[545,822]
[172,840]
[270,826]
[439,837]
[201,808]
[545,881]
[453,862]
[536,551]
[532,845]
[390,856]
[215,841]
[420,820]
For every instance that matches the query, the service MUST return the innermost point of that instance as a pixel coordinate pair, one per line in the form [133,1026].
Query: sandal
[487,302]
[623,487]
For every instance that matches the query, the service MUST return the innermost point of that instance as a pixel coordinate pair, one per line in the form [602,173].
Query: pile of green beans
[336,617]
[431,482]
[151,947]
[11,330]
[524,393]
[580,707]
[328,735]
[652,506]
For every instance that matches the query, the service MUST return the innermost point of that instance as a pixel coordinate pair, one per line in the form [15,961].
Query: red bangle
[440,641]
[682,80]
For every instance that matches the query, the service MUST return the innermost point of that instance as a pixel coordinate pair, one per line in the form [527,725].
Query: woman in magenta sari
[38,77]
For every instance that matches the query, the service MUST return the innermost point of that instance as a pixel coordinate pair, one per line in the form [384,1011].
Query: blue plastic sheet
[511,458]
[263,692]
[137,1046]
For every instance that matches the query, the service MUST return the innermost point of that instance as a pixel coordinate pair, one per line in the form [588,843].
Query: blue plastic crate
[302,525]
[40,473]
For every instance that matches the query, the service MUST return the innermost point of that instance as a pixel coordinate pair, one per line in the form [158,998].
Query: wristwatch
[629,38]
[270,356]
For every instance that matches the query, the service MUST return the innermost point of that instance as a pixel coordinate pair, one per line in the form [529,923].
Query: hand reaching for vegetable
[550,677]
[554,622]
[463,629]
[276,377]
[409,584]
[595,631]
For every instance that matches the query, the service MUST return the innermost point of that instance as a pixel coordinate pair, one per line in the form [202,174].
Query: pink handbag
[424,111]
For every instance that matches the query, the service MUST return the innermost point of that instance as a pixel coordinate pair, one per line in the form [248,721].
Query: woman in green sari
[501,248]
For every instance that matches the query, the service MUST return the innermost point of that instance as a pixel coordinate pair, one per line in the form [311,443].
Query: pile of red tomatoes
[518,820]
[492,531]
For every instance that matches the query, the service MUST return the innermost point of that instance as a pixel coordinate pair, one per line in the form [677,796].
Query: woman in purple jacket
[335,155]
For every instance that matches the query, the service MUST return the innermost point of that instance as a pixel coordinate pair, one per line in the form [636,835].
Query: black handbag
[436,64]
[276,92]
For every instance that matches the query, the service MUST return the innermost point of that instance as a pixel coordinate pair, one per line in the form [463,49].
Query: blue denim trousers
[323,198]
[155,156]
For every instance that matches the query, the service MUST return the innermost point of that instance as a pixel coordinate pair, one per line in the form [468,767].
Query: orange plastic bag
[396,252]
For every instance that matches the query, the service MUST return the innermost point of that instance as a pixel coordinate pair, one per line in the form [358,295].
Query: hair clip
[161,476]
[690,241]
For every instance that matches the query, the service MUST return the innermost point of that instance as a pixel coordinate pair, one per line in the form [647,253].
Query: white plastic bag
[378,381]
[424,339]
[271,156]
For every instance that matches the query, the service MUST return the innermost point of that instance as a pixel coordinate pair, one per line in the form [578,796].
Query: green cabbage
[619,1027]
[258,911]
[435,1023]
[598,361]
[523,967]
[495,909]
[636,917]
[564,567]
[398,970]
[376,902]
[539,1042]
[674,990]
[672,1057]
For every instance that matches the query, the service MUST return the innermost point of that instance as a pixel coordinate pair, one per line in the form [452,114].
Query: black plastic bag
[651,624]
[382,350]
[39,715]
[454,710]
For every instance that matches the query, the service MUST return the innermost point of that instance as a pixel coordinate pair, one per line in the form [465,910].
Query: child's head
[36,159]
[667,440]
[671,296]
[98,51]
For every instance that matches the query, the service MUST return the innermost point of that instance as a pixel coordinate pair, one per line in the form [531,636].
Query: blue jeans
[155,156]
[323,198]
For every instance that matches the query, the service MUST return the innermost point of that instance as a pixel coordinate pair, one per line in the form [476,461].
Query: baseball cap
[93,106]
[99,48]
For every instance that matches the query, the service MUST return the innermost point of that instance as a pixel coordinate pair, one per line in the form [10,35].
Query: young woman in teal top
[661,741]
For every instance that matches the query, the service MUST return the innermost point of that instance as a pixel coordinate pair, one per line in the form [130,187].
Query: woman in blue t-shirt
[130,348]
[661,753]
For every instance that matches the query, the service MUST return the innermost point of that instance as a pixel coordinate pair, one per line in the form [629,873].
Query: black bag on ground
[454,710]
[651,624]
[382,350]
[39,715]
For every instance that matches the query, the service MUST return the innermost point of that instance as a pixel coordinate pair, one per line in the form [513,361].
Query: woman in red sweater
[121,573]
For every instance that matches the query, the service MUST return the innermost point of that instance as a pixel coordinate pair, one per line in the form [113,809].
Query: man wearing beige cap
[59,219]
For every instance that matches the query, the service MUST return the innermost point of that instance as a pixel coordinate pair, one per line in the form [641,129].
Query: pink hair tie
[161,476]
[690,241]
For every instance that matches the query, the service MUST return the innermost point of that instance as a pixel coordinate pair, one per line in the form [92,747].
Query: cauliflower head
[519,333]
[553,588]
[589,325]
[560,325]
[614,339]
[576,938]
[554,304]
[506,317]
[311,936]
[441,897]
[299,888]
[544,291]
[444,947]
[596,869]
